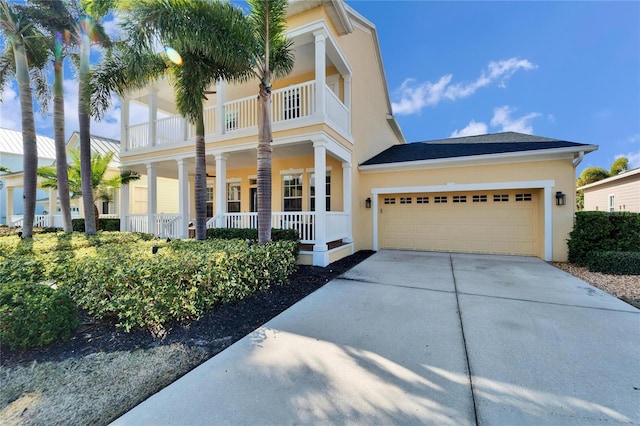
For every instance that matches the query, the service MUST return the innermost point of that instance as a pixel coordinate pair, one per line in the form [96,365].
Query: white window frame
[312,196]
[285,177]
[230,195]
[612,202]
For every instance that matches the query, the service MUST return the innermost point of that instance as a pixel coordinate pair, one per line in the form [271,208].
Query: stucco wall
[561,171]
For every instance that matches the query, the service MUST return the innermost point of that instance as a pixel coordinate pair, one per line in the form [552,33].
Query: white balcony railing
[138,223]
[168,225]
[290,103]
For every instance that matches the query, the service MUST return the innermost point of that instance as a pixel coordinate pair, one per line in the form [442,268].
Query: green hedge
[35,315]
[252,234]
[603,231]
[103,224]
[180,281]
[614,262]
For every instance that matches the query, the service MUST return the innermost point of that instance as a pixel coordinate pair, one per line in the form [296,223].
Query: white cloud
[415,96]
[112,26]
[634,138]
[473,128]
[633,157]
[10,116]
[500,122]
[502,117]
[108,127]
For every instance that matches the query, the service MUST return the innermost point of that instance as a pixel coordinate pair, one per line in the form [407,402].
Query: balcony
[293,106]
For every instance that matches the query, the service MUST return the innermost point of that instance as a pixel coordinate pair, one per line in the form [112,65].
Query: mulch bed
[216,330]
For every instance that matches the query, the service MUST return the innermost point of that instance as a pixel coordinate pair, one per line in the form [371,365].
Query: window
[498,198]
[105,207]
[209,201]
[440,199]
[405,200]
[292,103]
[233,197]
[389,200]
[479,198]
[523,197]
[292,193]
[422,200]
[312,191]
[612,203]
[459,198]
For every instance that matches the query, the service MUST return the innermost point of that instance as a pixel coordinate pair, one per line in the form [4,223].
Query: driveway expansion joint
[464,343]
[357,280]
[636,312]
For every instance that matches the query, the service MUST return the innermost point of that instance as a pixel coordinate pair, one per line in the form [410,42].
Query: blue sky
[566,70]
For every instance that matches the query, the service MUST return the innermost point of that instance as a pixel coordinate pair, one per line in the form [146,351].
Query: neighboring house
[48,209]
[343,175]
[11,156]
[620,193]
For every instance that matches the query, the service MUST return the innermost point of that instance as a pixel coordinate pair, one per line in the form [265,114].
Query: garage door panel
[505,227]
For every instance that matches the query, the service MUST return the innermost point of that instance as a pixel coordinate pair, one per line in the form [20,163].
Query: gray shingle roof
[496,143]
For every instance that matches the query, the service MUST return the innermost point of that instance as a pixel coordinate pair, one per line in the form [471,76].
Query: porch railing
[303,222]
[290,103]
[168,225]
[137,223]
[241,220]
[337,225]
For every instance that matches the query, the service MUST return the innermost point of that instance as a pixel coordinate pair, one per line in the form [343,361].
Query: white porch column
[321,73]
[320,254]
[124,208]
[221,189]
[124,124]
[53,198]
[347,97]
[152,198]
[346,200]
[153,115]
[183,197]
[221,120]
[9,205]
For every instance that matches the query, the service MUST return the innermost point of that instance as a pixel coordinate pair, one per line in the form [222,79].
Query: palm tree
[88,31]
[102,187]
[273,57]
[56,18]
[23,57]
[214,42]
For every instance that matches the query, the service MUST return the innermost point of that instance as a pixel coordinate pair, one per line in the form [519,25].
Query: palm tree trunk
[264,162]
[84,123]
[201,182]
[29,144]
[62,171]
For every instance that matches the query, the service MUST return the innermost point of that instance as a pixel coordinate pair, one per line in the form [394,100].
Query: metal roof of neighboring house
[497,143]
[11,143]
[625,174]
[100,145]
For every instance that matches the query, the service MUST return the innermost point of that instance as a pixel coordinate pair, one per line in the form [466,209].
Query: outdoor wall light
[367,203]
[561,199]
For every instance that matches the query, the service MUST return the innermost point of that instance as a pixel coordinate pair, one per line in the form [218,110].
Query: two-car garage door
[501,222]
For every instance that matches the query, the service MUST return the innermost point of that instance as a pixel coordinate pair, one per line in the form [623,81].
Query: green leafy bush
[603,231]
[614,262]
[251,234]
[34,315]
[103,224]
[180,281]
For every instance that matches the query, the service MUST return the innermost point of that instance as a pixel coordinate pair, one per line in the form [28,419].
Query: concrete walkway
[425,338]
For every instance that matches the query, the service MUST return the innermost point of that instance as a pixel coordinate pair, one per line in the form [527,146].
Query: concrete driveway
[425,338]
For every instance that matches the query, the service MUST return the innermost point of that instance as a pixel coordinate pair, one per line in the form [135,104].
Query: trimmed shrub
[103,224]
[614,262]
[34,315]
[252,234]
[603,231]
[180,281]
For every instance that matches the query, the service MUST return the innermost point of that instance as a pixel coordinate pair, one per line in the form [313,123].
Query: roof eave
[532,155]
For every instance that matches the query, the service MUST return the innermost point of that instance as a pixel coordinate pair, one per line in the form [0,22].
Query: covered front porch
[320,213]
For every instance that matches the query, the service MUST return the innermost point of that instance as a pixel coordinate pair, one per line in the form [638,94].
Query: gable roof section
[471,146]
[623,175]
[99,145]
[11,143]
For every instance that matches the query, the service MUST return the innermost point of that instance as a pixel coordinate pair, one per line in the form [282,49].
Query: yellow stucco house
[343,174]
